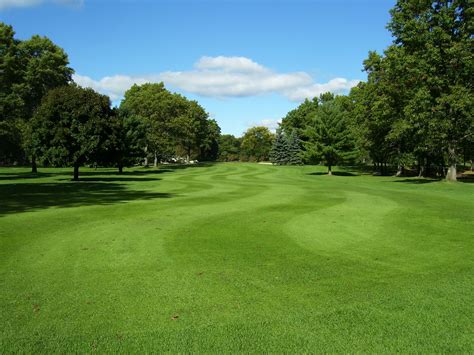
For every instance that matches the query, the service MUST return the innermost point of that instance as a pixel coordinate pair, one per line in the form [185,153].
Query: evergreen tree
[279,155]
[294,149]
[329,135]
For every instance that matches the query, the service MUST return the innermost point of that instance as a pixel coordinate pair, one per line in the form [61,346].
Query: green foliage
[299,118]
[29,69]
[72,126]
[329,136]
[419,96]
[294,149]
[279,153]
[256,144]
[286,149]
[175,125]
[10,144]
[229,148]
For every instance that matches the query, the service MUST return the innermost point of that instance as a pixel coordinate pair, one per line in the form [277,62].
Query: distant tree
[155,105]
[209,140]
[294,149]
[71,127]
[256,144]
[300,117]
[125,139]
[279,154]
[229,148]
[175,125]
[329,136]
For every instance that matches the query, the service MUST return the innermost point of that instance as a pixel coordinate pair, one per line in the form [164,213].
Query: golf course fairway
[234,257]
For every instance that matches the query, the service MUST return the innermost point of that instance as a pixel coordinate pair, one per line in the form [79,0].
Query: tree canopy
[72,126]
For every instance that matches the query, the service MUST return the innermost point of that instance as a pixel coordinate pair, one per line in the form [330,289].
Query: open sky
[248,62]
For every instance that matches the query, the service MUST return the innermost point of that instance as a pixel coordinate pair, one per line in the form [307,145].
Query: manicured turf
[234,257]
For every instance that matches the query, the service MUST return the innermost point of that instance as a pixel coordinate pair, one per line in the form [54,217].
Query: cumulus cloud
[113,86]
[337,86]
[4,4]
[223,77]
[271,124]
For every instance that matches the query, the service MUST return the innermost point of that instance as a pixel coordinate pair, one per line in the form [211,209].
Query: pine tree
[293,149]
[329,135]
[279,152]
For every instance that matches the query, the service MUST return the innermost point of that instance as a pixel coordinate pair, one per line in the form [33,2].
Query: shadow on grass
[87,175]
[26,175]
[124,173]
[466,180]
[336,173]
[111,179]
[24,197]
[416,180]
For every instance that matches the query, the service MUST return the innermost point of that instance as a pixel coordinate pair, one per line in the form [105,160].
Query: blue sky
[247,62]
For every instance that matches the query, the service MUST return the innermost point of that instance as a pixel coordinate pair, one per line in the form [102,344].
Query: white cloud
[4,4]
[113,86]
[271,124]
[230,64]
[337,86]
[223,77]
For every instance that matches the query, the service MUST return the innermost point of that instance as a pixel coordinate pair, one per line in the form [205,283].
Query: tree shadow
[188,166]
[466,179]
[124,173]
[416,181]
[28,175]
[336,173]
[25,197]
[111,179]
[25,175]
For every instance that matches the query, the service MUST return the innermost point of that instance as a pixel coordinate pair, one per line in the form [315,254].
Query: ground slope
[234,257]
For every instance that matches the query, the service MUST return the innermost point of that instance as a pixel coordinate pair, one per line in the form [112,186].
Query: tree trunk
[472,164]
[34,168]
[146,157]
[155,160]
[76,171]
[452,173]
[120,168]
[421,171]
[399,170]
[329,170]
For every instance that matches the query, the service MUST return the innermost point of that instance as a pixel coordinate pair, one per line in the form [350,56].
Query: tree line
[46,118]
[414,113]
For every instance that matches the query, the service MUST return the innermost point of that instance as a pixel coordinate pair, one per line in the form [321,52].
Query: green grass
[234,257]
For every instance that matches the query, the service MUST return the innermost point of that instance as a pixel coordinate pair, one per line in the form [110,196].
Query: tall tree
[29,70]
[436,67]
[329,135]
[71,127]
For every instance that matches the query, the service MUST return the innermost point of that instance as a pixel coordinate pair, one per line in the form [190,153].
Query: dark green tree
[432,58]
[71,127]
[209,140]
[229,148]
[329,135]
[29,70]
